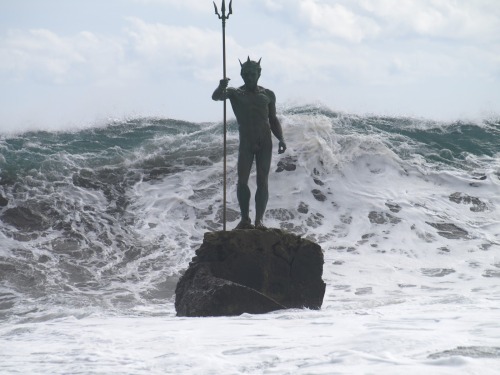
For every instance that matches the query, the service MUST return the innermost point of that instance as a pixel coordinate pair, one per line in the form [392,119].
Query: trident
[224,17]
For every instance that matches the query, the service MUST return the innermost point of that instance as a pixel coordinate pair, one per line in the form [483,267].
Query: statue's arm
[275,123]
[222,92]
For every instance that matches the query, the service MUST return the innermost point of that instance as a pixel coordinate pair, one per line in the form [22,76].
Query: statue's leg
[245,161]
[263,163]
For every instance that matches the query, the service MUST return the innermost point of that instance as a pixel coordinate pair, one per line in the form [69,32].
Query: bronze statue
[255,110]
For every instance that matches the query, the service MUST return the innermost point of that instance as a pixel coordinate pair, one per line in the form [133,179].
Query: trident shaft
[223,18]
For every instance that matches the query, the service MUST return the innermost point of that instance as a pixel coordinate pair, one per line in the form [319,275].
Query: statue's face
[250,76]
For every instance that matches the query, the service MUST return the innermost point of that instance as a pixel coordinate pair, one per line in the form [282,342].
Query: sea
[97,224]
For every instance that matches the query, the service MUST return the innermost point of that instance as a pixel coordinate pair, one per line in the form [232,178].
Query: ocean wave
[111,215]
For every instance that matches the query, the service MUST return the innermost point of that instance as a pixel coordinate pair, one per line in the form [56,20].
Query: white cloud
[172,43]
[274,5]
[196,5]
[338,20]
[44,56]
[365,20]
[187,50]
[454,19]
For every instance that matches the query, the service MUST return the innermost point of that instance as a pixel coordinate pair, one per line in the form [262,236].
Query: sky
[67,63]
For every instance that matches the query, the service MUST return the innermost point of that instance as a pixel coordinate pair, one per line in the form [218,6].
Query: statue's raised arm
[220,92]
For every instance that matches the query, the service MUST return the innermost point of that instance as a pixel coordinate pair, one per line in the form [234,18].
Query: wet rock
[469,351]
[318,195]
[43,259]
[158,173]
[25,237]
[491,273]
[251,271]
[288,163]
[450,231]
[346,219]
[231,215]
[86,178]
[477,204]
[203,294]
[24,219]
[6,268]
[281,214]
[317,181]
[382,218]
[363,291]
[407,285]
[437,272]
[393,207]
[3,201]
[303,208]
[315,220]
[485,246]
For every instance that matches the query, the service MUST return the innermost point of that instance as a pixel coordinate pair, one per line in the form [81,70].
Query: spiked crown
[250,64]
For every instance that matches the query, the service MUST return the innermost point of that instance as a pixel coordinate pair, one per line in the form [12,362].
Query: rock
[24,218]
[477,204]
[450,230]
[315,220]
[318,195]
[469,351]
[437,272]
[303,208]
[281,214]
[203,294]
[231,215]
[288,163]
[317,181]
[394,207]
[382,218]
[251,271]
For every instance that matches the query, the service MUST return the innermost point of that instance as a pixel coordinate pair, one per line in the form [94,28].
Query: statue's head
[250,72]
[249,64]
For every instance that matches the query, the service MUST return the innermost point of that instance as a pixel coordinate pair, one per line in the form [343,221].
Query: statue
[255,110]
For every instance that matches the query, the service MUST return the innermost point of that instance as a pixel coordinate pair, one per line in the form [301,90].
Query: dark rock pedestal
[251,271]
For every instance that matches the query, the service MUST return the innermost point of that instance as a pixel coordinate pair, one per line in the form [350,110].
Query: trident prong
[223,10]
[217,11]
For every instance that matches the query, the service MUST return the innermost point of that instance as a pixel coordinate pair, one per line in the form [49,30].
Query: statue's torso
[251,109]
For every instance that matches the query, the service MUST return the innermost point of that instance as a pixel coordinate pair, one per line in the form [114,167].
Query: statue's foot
[259,224]
[245,224]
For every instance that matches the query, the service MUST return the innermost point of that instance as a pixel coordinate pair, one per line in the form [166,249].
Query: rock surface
[251,271]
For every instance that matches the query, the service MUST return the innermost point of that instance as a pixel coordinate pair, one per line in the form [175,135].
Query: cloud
[338,20]
[356,21]
[182,44]
[185,49]
[453,19]
[195,5]
[43,56]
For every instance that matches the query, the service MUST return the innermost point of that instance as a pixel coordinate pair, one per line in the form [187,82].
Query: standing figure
[255,110]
